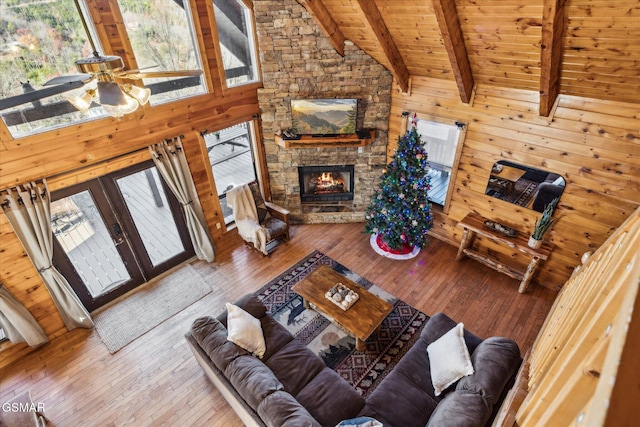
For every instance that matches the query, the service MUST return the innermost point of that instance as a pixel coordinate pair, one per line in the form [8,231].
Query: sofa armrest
[461,408]
[546,193]
[495,362]
[241,408]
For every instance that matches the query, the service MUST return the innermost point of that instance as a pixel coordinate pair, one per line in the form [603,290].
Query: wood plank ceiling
[587,48]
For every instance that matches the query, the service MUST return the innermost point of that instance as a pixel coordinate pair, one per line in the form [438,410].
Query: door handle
[117,233]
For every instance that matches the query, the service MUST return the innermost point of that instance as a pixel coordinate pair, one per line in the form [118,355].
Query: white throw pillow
[245,330]
[449,359]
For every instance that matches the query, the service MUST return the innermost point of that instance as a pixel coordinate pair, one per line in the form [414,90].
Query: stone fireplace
[326,183]
[297,62]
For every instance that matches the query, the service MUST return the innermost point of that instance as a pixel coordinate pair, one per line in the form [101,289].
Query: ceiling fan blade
[137,70]
[158,74]
[14,101]
[71,78]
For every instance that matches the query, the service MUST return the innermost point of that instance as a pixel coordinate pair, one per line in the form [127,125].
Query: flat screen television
[325,117]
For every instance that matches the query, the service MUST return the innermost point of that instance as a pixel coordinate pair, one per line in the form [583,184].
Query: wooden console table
[474,224]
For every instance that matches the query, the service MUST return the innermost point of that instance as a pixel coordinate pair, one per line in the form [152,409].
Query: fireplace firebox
[326,183]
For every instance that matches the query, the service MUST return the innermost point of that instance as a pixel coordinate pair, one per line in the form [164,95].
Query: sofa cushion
[495,361]
[449,359]
[280,409]
[461,408]
[252,379]
[245,330]
[400,401]
[212,337]
[295,365]
[276,336]
[329,398]
[439,324]
[249,303]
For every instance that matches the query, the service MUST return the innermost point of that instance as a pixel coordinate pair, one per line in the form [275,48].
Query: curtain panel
[28,209]
[172,164]
[17,322]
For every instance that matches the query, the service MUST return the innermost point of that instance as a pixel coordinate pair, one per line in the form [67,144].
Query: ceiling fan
[116,96]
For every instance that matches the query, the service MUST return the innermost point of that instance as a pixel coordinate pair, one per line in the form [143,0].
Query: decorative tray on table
[501,228]
[342,296]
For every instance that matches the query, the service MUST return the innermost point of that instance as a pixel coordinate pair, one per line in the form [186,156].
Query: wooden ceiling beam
[329,27]
[551,54]
[396,63]
[451,32]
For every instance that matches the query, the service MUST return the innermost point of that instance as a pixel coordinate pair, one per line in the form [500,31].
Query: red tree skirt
[381,248]
[405,249]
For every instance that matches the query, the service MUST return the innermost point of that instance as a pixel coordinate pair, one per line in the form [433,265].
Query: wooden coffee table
[361,320]
[509,176]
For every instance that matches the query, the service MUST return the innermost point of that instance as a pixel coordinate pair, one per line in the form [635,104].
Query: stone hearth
[298,62]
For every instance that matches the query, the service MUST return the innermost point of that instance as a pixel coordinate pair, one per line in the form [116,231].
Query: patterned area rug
[362,369]
[524,191]
[521,195]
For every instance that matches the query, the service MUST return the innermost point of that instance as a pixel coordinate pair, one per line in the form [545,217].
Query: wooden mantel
[309,141]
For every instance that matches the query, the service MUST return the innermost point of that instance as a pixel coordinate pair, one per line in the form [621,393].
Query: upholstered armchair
[261,224]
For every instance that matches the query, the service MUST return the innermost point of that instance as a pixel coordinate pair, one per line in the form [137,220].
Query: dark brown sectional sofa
[291,386]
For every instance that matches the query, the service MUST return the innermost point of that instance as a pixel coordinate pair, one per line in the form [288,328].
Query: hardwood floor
[156,381]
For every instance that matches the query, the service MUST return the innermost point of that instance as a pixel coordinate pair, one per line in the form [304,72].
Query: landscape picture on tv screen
[324,116]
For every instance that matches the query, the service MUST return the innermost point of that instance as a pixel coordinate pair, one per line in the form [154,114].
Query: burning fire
[327,183]
[326,178]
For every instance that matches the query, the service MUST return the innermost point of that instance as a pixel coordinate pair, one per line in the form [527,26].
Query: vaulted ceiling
[587,48]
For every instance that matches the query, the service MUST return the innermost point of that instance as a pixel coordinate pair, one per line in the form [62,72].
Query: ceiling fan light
[111,94]
[140,94]
[83,102]
[118,111]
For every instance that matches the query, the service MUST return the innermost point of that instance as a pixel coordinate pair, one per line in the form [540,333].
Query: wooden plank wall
[101,147]
[78,153]
[601,56]
[594,145]
[589,339]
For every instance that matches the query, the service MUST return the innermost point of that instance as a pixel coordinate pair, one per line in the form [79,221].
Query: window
[41,40]
[443,142]
[237,42]
[161,33]
[232,161]
[38,41]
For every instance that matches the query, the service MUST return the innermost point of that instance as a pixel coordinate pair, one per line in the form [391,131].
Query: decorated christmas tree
[400,213]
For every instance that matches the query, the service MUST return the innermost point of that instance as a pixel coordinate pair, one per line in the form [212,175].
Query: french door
[116,232]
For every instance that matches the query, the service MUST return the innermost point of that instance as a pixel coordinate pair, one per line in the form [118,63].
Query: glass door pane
[149,208]
[116,232]
[85,239]
[231,158]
